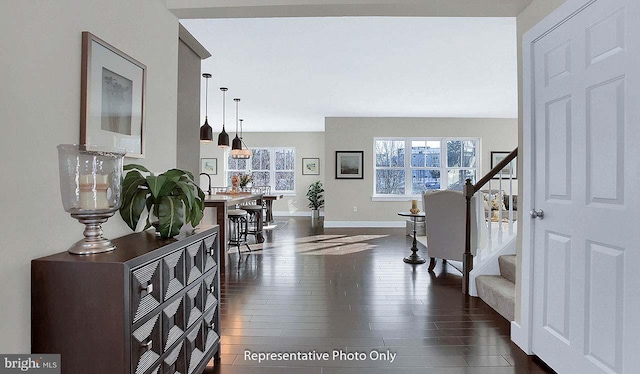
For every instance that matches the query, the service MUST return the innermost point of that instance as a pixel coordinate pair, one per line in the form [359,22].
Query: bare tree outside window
[425,165]
[273,167]
[390,173]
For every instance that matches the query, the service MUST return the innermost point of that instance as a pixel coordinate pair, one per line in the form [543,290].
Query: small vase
[414,210]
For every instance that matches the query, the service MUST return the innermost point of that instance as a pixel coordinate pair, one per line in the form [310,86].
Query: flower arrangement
[245,179]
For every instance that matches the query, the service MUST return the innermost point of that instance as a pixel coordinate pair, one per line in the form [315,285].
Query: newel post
[467,260]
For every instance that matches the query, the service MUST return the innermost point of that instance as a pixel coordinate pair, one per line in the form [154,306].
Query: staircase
[499,291]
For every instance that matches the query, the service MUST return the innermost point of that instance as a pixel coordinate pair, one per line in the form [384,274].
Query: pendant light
[244,151]
[223,138]
[237,143]
[206,132]
[236,151]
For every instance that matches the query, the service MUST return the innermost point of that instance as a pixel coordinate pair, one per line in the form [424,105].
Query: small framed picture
[509,170]
[209,166]
[310,166]
[349,165]
[112,98]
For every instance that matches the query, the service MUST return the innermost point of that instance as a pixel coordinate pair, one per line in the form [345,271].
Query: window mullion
[408,174]
[272,167]
[444,177]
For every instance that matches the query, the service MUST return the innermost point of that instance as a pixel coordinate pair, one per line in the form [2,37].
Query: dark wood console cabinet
[150,306]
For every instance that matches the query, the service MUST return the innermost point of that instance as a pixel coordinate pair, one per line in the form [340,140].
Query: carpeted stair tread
[508,267]
[499,293]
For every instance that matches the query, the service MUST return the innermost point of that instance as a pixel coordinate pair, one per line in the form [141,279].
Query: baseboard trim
[374,224]
[285,213]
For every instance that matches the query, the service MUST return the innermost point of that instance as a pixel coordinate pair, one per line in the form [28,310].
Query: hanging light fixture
[244,152]
[223,138]
[237,152]
[206,132]
[237,143]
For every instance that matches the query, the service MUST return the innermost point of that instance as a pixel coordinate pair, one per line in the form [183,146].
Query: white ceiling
[292,72]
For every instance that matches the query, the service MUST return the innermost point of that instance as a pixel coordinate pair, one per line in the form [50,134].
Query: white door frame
[522,330]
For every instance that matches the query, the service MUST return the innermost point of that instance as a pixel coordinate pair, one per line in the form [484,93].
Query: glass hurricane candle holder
[90,185]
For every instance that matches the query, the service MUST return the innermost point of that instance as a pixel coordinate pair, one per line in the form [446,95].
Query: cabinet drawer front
[211,252]
[194,261]
[210,329]
[210,290]
[194,301]
[194,349]
[173,323]
[173,274]
[145,290]
[146,345]
[175,362]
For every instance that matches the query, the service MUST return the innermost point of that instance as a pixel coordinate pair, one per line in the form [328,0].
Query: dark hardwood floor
[348,293]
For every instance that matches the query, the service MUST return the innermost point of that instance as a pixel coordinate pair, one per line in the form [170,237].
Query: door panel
[605,142]
[556,279]
[558,160]
[604,302]
[586,137]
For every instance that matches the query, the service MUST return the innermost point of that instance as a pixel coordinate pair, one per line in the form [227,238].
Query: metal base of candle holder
[93,241]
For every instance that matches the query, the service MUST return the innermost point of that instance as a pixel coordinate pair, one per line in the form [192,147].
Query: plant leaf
[174,174]
[168,189]
[130,184]
[135,167]
[188,192]
[131,211]
[170,216]
[155,184]
[197,214]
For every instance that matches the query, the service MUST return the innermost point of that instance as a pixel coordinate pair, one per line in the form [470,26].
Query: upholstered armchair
[445,217]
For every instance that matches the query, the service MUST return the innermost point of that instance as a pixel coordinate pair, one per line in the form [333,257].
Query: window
[273,167]
[410,166]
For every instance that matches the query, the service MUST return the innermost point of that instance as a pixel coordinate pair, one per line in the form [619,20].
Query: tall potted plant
[172,198]
[316,199]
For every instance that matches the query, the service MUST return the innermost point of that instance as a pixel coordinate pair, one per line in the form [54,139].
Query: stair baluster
[469,190]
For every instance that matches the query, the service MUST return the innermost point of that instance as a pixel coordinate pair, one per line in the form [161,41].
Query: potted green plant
[172,198]
[244,180]
[316,200]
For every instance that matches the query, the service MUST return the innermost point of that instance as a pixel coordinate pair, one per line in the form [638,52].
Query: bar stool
[264,190]
[255,221]
[238,218]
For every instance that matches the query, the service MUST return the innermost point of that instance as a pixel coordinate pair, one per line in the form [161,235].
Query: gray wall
[307,145]
[357,134]
[40,53]
[188,134]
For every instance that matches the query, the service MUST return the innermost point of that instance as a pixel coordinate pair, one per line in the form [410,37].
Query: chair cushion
[236,212]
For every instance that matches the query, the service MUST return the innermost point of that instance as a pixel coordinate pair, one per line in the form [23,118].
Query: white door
[586,180]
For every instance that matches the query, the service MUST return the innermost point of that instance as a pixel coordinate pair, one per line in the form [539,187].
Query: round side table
[413,258]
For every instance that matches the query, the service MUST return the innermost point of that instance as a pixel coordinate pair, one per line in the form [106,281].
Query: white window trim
[407,162]
[272,171]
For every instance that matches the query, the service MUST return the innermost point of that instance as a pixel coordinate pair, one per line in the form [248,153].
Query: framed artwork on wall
[510,169]
[310,166]
[349,165]
[209,166]
[112,98]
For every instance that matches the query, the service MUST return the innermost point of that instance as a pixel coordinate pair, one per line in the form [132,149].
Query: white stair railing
[493,239]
